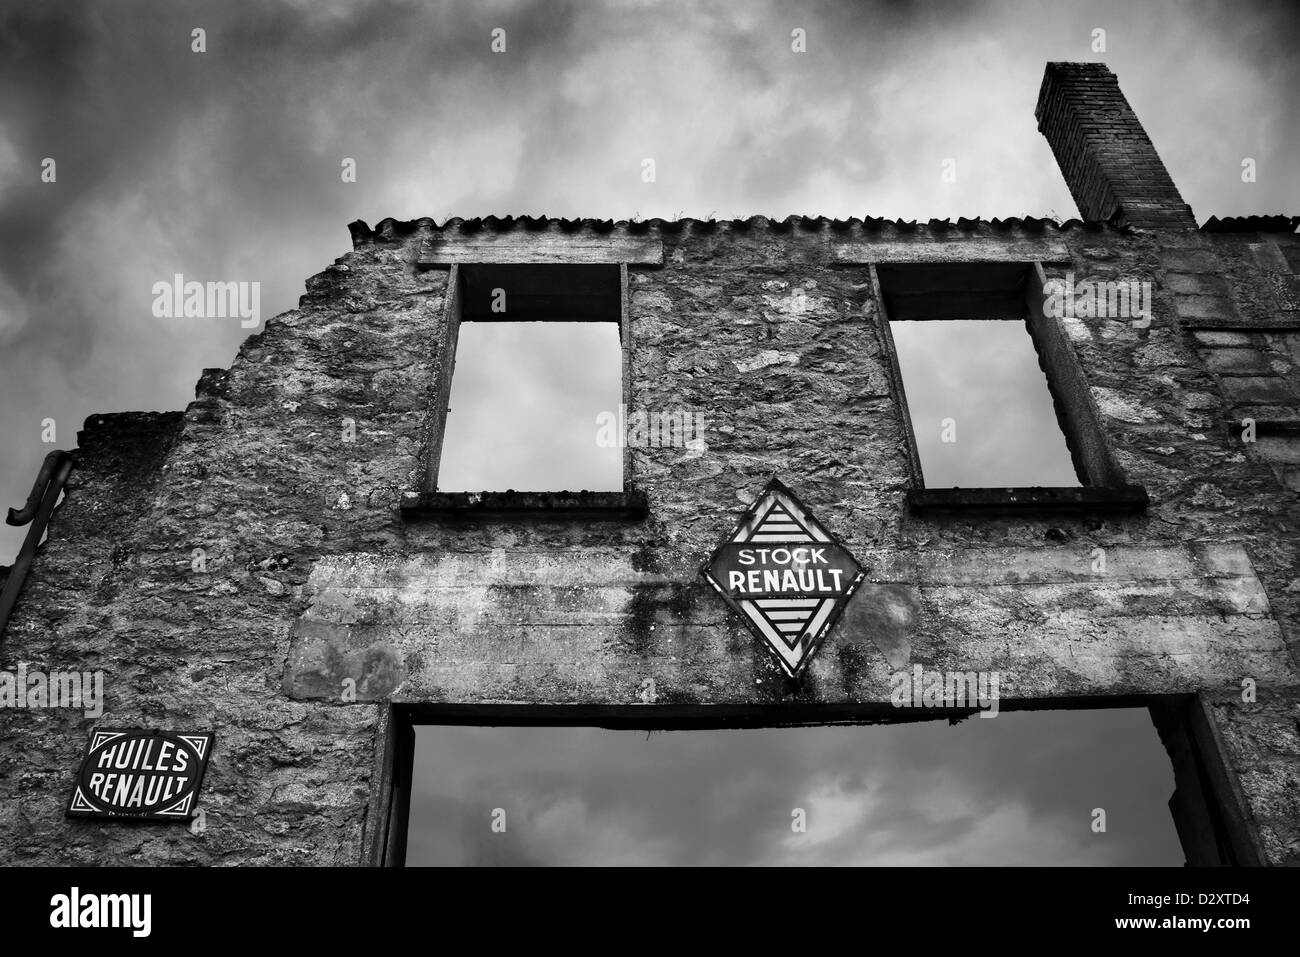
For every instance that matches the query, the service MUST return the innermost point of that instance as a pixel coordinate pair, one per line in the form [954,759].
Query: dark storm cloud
[221,166]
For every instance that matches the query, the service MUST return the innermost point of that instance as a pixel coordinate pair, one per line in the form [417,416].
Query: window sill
[989,501]
[630,505]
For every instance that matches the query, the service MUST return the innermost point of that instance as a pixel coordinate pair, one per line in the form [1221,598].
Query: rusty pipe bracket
[28,512]
[40,506]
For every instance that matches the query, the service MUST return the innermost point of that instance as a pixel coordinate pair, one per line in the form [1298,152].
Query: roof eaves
[390,230]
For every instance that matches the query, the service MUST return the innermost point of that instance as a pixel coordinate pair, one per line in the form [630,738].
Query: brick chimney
[1103,151]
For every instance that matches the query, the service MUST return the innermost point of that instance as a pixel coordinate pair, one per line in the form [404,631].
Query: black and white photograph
[649,434]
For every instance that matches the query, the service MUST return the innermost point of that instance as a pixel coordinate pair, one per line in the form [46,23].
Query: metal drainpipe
[40,505]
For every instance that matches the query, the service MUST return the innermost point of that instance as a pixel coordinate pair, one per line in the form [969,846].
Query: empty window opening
[538,360]
[1022,789]
[980,405]
[971,344]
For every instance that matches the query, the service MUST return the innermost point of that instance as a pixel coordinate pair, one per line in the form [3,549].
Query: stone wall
[314,577]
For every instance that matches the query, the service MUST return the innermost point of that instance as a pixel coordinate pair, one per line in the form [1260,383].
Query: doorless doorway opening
[828,785]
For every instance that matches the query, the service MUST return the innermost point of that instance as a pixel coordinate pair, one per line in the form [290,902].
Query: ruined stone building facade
[332,565]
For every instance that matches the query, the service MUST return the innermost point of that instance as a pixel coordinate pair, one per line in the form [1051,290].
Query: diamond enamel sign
[141,774]
[786,575]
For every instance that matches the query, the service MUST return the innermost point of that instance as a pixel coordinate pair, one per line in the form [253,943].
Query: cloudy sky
[225,165]
[1018,789]
[508,426]
[988,423]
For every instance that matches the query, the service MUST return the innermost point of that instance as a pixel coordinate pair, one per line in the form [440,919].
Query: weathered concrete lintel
[955,250]
[540,248]
[1058,564]
[413,635]
[613,567]
[761,714]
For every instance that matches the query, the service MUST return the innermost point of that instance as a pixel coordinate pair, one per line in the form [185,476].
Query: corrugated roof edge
[391,229]
[1251,224]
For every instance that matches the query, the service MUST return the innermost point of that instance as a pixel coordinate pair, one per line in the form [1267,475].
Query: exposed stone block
[1237,361]
[1262,389]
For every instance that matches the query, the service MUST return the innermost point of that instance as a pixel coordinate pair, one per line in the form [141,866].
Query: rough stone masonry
[331,565]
